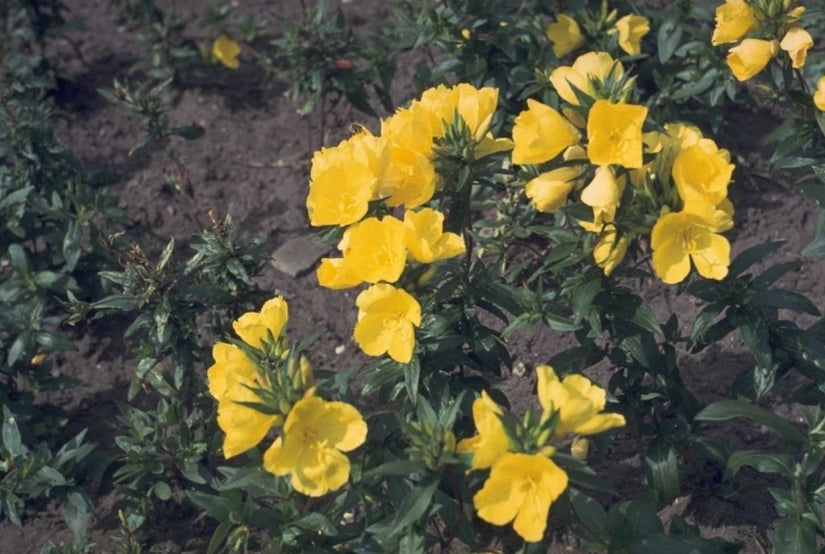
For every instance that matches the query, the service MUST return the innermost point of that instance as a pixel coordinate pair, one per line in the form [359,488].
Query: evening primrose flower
[521,488]
[614,134]
[819,94]
[491,442]
[610,249]
[632,28]
[703,171]
[426,240]
[540,133]
[750,57]
[588,71]
[579,402]
[796,42]
[691,234]
[254,327]
[548,192]
[734,19]
[386,320]
[565,35]
[373,250]
[603,194]
[226,51]
[311,450]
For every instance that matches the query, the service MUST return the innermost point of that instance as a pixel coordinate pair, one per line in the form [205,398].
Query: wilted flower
[540,133]
[579,402]
[632,28]
[796,42]
[819,94]
[734,19]
[315,436]
[565,35]
[691,234]
[227,51]
[614,133]
[386,320]
[548,192]
[426,240]
[491,442]
[750,57]
[521,488]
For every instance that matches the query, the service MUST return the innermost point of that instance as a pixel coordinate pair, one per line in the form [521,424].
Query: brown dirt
[253,163]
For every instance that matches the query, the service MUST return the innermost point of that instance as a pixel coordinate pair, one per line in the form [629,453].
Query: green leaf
[794,536]
[18,259]
[162,490]
[78,512]
[71,246]
[816,248]
[763,462]
[412,374]
[582,297]
[786,300]
[414,505]
[11,434]
[668,39]
[753,255]
[662,470]
[591,514]
[729,409]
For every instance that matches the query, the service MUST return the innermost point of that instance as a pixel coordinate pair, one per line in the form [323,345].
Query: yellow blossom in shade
[614,133]
[491,442]
[386,320]
[734,19]
[796,42]
[578,401]
[227,51]
[632,28]
[540,133]
[426,240]
[603,194]
[691,234]
[253,327]
[819,94]
[609,250]
[521,488]
[232,380]
[373,250]
[548,192]
[565,35]
[750,57]
[702,171]
[311,450]
[588,70]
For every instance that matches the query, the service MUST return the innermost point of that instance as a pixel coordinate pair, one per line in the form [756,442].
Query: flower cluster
[595,145]
[368,173]
[571,31]
[260,385]
[524,481]
[762,28]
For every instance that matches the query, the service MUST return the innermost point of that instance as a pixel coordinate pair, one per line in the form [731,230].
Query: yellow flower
[734,19]
[565,35]
[819,94]
[796,42]
[751,57]
[610,250]
[253,327]
[374,250]
[386,317]
[578,401]
[614,133]
[521,488]
[344,179]
[540,133]
[476,106]
[316,434]
[679,237]
[588,71]
[491,442]
[603,194]
[631,30]
[703,171]
[426,240]
[226,51]
[548,192]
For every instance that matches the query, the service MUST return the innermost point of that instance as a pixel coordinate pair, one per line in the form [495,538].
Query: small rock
[297,256]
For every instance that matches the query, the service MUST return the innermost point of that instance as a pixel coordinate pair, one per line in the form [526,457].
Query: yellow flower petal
[491,442]
[750,57]
[819,94]
[548,192]
[386,317]
[614,133]
[565,35]
[632,28]
[426,240]
[226,51]
[796,42]
[734,19]
[540,133]
[253,327]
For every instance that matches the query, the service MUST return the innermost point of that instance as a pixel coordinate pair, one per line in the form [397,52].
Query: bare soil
[253,162]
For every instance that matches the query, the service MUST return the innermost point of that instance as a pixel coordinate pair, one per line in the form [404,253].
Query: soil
[252,162]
